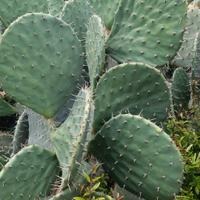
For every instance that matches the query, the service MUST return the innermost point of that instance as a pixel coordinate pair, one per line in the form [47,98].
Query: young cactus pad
[28,175]
[180,90]
[70,139]
[147,31]
[139,156]
[21,133]
[95,48]
[42,56]
[11,10]
[136,88]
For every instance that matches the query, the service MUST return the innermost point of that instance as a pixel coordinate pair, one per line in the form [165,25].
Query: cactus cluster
[186,77]
[115,115]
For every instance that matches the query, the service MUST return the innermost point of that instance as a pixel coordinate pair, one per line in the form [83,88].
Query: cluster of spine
[44,49]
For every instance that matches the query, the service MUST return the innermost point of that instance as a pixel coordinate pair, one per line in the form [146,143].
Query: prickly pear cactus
[95,48]
[147,31]
[41,62]
[21,133]
[71,138]
[186,53]
[139,156]
[136,88]
[39,130]
[28,175]
[42,55]
[181,90]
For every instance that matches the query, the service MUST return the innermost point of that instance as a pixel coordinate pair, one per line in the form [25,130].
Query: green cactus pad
[106,10]
[55,7]
[77,14]
[11,10]
[43,57]
[136,88]
[185,55]
[180,90]
[140,157]
[28,175]
[147,31]
[95,48]
[6,109]
[39,130]
[70,138]
[21,133]
[5,144]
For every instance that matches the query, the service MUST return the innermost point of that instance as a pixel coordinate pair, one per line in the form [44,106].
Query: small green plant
[96,187]
[186,132]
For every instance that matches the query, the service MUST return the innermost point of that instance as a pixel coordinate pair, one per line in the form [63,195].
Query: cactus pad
[39,130]
[5,108]
[70,138]
[106,10]
[77,13]
[147,31]
[186,53]
[21,133]
[11,10]
[136,88]
[42,56]
[140,157]
[28,175]
[95,48]
[180,90]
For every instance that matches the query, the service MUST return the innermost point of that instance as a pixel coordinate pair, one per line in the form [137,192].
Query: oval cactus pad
[40,62]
